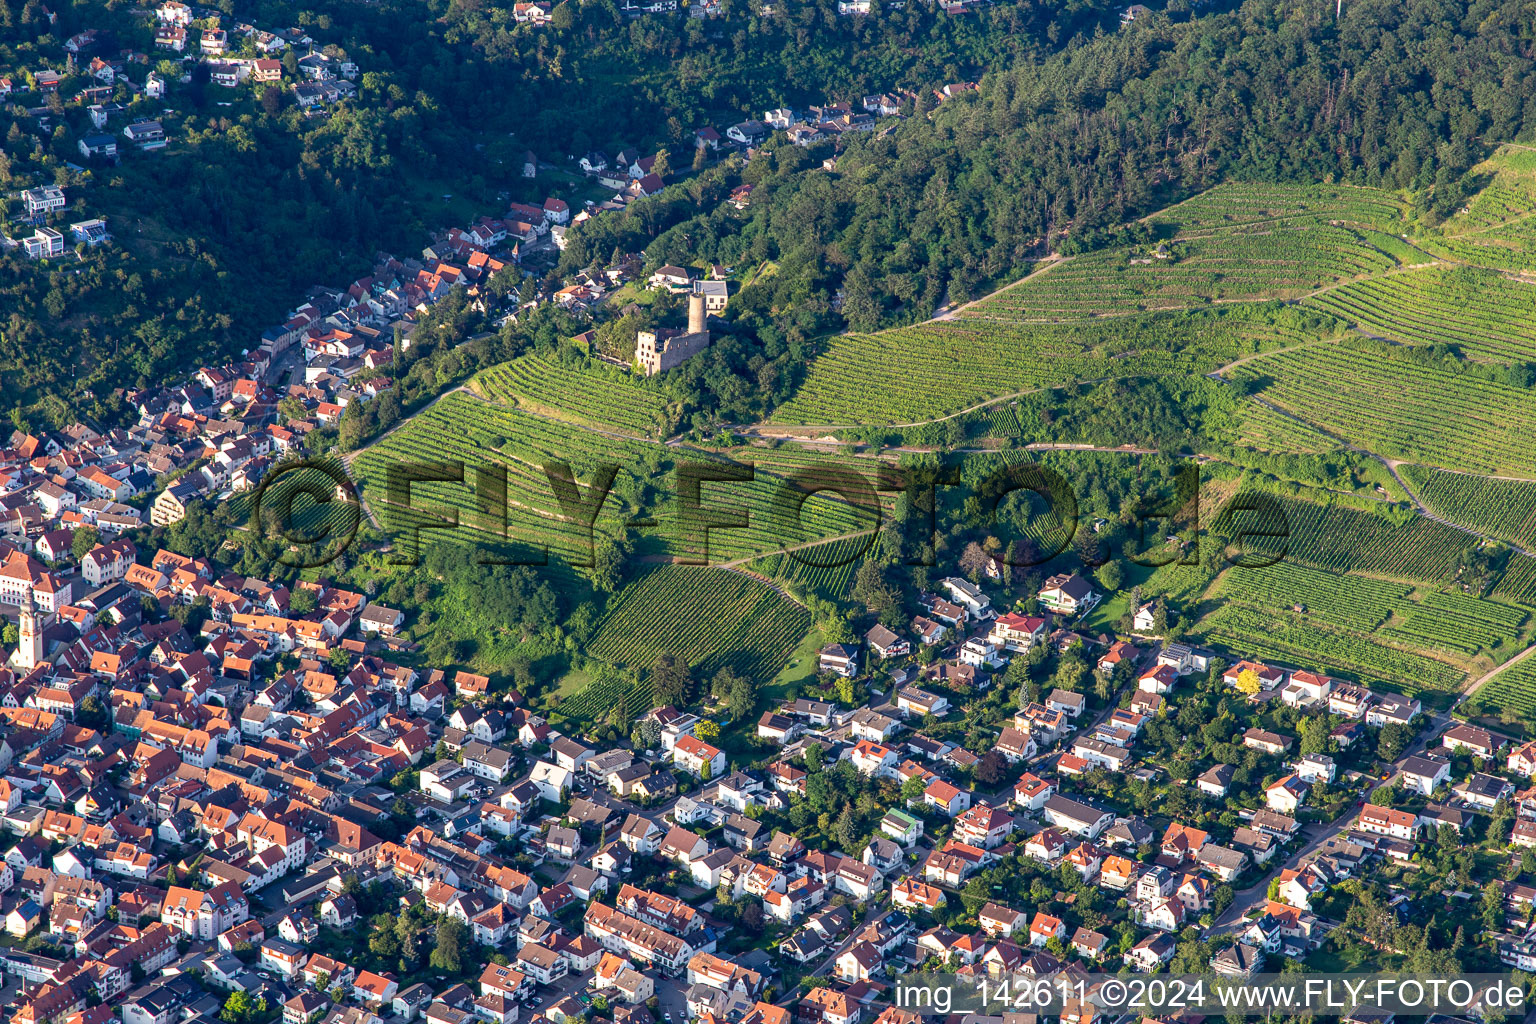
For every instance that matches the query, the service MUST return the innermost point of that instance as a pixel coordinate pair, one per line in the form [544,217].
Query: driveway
[672,995]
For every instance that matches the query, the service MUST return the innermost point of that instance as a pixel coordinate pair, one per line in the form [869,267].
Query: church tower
[30,651]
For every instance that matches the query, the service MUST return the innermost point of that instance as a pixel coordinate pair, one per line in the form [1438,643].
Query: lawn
[737,738]
[570,684]
[1106,617]
[631,292]
[800,671]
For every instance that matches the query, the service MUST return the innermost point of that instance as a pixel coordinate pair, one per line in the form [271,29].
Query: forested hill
[253,202]
[1079,123]
[596,78]
[1398,94]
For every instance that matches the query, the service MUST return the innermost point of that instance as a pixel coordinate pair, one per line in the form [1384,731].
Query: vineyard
[1496,228]
[709,617]
[1236,242]
[1512,690]
[595,700]
[772,525]
[1484,314]
[1510,194]
[825,570]
[912,374]
[1398,407]
[305,502]
[1508,247]
[595,396]
[1459,623]
[1518,582]
[1499,508]
[1292,640]
[1257,262]
[478,432]
[1354,602]
[1239,203]
[1399,248]
[1002,420]
[1311,607]
[1339,539]
[1266,430]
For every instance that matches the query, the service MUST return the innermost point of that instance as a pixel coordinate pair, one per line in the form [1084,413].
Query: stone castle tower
[659,351]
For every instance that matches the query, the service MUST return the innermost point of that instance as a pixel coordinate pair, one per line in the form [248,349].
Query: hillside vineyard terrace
[1247,517]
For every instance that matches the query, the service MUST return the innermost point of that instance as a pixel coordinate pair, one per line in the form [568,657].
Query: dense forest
[1079,126]
[252,205]
[596,78]
[1113,128]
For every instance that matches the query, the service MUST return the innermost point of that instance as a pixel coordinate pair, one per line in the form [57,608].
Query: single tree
[673,680]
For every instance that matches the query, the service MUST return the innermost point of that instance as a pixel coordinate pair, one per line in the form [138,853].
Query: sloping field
[596,396]
[711,618]
[1483,314]
[912,374]
[1366,393]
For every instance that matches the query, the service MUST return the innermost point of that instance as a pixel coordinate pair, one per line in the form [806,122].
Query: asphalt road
[1256,896]
[672,997]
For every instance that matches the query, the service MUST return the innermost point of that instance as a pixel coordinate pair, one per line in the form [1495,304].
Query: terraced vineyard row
[592,395]
[830,576]
[1289,639]
[1355,602]
[596,699]
[1339,539]
[1484,314]
[477,432]
[1502,617]
[1257,202]
[1372,609]
[1458,622]
[917,373]
[1518,582]
[1249,263]
[1511,193]
[912,374]
[305,505]
[1399,408]
[1003,421]
[1509,247]
[1497,228]
[709,617]
[771,524]
[1513,689]
[1264,429]
[1499,508]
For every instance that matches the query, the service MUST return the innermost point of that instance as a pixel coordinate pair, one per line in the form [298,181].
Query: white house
[1068,594]
[552,781]
[1423,774]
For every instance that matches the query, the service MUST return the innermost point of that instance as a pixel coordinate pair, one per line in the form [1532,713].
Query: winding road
[1392,466]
